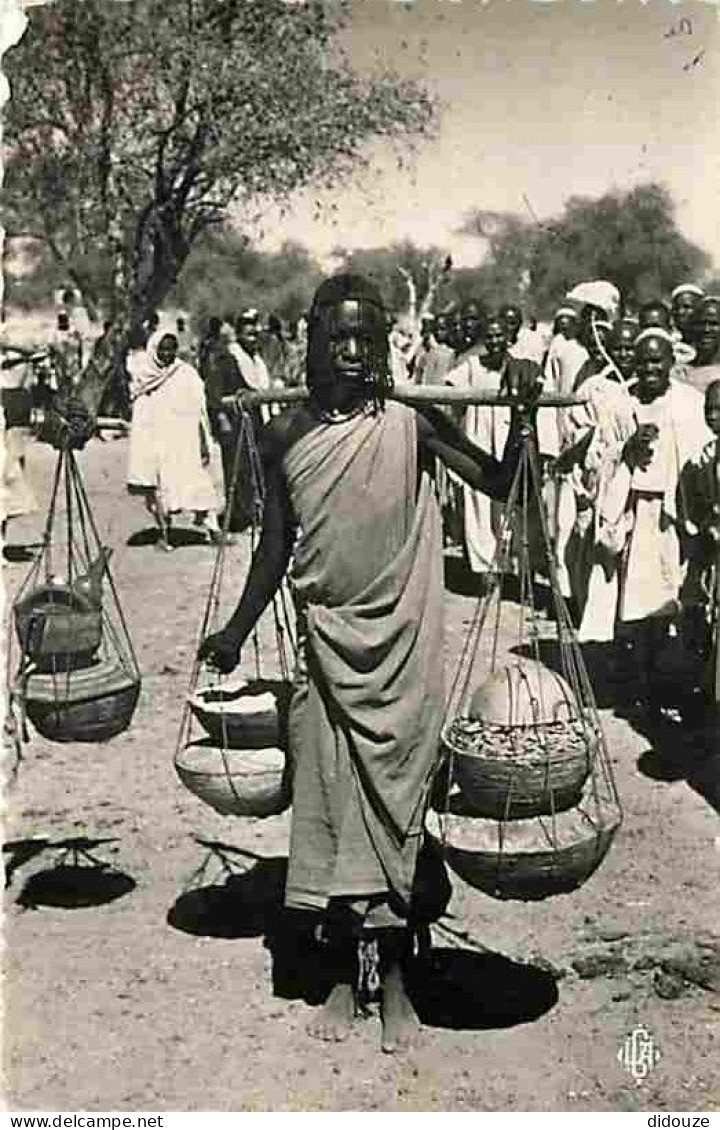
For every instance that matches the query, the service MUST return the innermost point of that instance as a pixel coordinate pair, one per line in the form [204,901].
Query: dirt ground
[180,995]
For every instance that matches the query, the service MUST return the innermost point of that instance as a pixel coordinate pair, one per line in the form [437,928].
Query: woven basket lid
[523,693]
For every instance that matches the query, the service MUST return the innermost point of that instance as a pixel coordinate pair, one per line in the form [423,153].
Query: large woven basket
[247,715]
[91,705]
[535,864]
[58,628]
[512,773]
[235,782]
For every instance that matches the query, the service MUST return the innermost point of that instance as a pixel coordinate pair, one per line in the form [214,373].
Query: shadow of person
[179,537]
[300,969]
[682,753]
[246,905]
[462,989]
[20,852]
[148,536]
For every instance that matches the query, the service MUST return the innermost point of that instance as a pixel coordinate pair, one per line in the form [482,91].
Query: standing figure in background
[404,343]
[16,494]
[170,438]
[66,353]
[296,353]
[597,429]
[701,592]
[210,344]
[433,359]
[686,300]
[274,350]
[487,427]
[645,494]
[621,347]
[231,368]
[706,335]
[654,312]
[187,342]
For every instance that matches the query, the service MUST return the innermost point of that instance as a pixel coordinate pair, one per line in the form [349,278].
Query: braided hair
[372,316]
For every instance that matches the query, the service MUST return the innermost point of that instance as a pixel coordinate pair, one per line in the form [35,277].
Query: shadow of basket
[462,989]
[245,905]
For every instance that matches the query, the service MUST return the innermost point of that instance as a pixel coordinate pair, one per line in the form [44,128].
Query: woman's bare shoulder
[282,431]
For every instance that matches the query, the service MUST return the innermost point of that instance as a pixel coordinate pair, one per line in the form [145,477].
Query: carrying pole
[416,395]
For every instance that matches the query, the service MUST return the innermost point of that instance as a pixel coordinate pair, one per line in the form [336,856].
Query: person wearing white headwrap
[685,302]
[643,509]
[593,434]
[170,439]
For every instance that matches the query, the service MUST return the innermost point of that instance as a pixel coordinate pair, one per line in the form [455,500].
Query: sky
[540,100]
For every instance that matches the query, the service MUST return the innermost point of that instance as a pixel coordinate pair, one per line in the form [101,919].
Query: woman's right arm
[269,564]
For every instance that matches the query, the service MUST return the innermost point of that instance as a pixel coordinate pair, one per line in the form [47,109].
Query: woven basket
[250,715]
[235,782]
[91,705]
[521,870]
[512,773]
[58,629]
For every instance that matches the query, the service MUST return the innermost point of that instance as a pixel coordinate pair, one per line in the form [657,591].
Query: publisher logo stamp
[639,1053]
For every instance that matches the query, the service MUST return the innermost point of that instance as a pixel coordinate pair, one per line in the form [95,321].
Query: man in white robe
[645,498]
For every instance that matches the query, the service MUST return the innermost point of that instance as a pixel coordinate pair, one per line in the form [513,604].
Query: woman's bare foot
[400,1024]
[336,1016]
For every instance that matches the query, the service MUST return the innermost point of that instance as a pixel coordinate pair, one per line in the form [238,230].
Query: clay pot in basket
[523,692]
[235,782]
[526,750]
[91,705]
[249,714]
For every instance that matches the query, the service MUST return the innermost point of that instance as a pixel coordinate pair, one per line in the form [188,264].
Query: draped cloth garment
[368,703]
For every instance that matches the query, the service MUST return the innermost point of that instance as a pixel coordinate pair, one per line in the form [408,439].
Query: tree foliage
[629,238]
[225,273]
[134,126]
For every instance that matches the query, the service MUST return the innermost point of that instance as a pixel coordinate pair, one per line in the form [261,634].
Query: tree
[224,273]
[629,238]
[134,126]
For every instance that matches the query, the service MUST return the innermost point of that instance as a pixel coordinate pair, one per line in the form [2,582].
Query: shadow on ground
[246,905]
[463,989]
[684,753]
[179,538]
[75,880]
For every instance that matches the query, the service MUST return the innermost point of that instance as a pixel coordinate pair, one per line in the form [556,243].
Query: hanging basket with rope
[231,749]
[525,803]
[77,678]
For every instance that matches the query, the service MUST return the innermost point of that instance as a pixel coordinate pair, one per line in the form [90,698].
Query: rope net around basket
[71,665]
[229,753]
[528,803]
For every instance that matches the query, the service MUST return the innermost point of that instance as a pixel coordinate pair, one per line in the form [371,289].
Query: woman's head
[166,350]
[347,341]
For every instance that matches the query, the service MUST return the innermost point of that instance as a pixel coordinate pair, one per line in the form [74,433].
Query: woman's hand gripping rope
[220,651]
